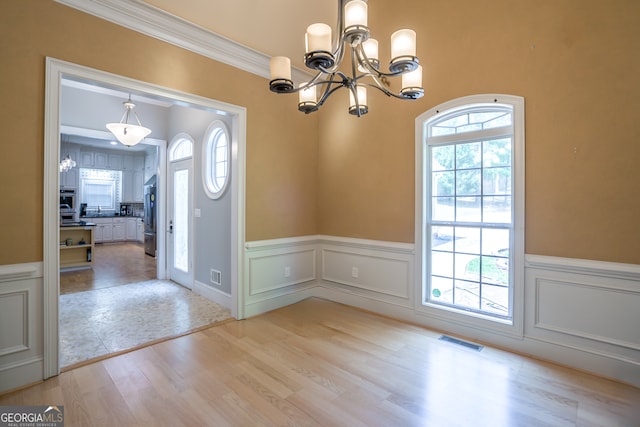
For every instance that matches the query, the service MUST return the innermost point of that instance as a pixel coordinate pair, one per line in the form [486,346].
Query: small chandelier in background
[326,57]
[126,133]
[67,163]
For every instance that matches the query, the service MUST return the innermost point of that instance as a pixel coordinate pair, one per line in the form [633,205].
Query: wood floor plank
[318,363]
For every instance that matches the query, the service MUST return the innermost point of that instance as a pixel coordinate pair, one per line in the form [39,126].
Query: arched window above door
[181,147]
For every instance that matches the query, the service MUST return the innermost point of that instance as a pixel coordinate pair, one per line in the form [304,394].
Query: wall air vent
[216,277]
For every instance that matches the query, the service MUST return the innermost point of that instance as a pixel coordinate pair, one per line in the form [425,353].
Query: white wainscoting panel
[14,311]
[271,271]
[375,271]
[591,309]
[600,313]
[277,272]
[21,325]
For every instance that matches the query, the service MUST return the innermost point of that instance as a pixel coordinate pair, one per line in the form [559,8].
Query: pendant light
[127,133]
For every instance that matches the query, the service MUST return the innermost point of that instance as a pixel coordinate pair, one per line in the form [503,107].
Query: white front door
[179,218]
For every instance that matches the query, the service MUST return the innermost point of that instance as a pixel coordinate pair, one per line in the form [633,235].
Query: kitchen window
[101,189]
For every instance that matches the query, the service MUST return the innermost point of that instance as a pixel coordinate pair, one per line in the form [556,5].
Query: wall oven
[68,207]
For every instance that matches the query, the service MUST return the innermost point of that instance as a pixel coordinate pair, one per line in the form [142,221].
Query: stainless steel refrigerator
[150,217]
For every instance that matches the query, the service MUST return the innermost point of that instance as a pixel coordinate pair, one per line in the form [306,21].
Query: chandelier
[126,133]
[67,164]
[325,56]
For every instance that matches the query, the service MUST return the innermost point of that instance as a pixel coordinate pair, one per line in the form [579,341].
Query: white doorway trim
[56,70]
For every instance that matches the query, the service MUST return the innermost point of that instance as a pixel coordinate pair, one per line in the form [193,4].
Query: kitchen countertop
[109,216]
[78,224]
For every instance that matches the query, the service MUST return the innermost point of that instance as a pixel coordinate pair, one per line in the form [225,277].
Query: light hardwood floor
[113,265]
[318,363]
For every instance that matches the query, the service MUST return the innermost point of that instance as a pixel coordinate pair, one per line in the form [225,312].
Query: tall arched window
[216,159]
[472,207]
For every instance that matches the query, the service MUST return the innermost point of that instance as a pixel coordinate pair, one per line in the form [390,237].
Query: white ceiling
[273,27]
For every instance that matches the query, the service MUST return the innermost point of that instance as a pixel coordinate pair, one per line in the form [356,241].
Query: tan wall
[576,63]
[281,163]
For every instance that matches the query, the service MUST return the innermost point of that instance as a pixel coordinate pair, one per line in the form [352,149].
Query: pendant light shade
[125,132]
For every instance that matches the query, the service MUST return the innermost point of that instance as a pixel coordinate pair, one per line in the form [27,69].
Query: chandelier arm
[364,61]
[338,41]
[328,91]
[354,63]
[384,90]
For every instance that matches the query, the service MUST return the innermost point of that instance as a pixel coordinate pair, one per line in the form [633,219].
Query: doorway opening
[57,71]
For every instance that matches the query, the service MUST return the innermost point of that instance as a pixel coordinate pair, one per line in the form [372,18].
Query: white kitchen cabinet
[150,164]
[131,229]
[138,163]
[137,186]
[100,160]
[114,161]
[98,233]
[118,232]
[86,159]
[69,178]
[104,229]
[127,163]
[140,230]
[127,186]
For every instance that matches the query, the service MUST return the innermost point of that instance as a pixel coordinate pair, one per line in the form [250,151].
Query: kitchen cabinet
[104,230]
[127,163]
[132,186]
[100,160]
[140,230]
[118,232]
[76,246]
[86,159]
[69,179]
[114,162]
[138,163]
[138,186]
[131,228]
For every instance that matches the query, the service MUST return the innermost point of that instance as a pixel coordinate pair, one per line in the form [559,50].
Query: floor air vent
[467,344]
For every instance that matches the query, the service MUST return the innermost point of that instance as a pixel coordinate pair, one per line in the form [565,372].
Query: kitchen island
[77,245]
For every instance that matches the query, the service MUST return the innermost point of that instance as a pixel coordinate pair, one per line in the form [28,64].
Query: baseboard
[213,294]
[21,372]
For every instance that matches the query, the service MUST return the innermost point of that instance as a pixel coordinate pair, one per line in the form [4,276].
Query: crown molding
[151,21]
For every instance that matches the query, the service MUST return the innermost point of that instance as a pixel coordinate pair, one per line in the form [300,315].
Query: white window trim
[177,140]
[206,161]
[471,320]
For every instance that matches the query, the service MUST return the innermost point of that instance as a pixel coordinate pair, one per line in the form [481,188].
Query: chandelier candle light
[325,56]
[126,133]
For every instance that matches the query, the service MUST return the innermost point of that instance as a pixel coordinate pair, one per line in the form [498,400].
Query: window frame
[515,325]
[209,162]
[115,180]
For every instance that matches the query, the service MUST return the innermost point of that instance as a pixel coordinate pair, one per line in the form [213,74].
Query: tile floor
[102,321]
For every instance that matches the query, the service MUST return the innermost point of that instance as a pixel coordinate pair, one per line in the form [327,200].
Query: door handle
[171,227]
